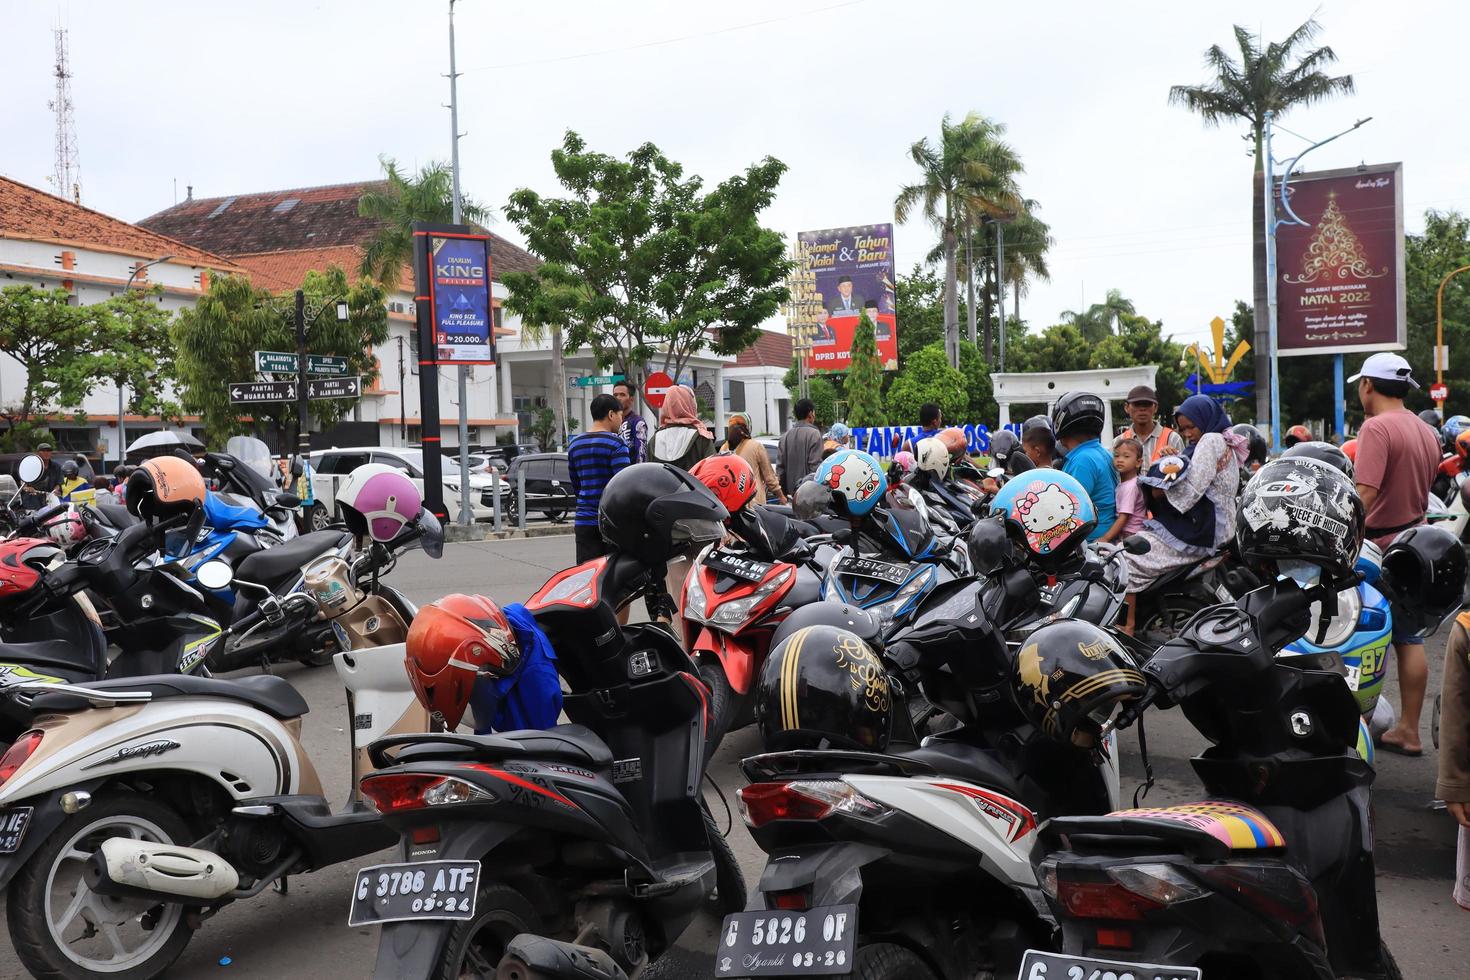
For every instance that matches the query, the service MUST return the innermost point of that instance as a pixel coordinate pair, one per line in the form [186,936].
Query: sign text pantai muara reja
[460,299]
[841,274]
[1340,281]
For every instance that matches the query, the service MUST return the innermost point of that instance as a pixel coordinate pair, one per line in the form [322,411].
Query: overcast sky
[267,94]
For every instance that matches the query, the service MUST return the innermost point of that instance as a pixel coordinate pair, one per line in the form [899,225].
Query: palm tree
[1099,321]
[427,196]
[970,173]
[1027,240]
[1273,78]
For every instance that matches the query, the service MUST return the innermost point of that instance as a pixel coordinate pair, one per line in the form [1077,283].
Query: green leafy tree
[982,406]
[969,174]
[640,260]
[1100,320]
[136,350]
[1138,341]
[1027,240]
[1274,77]
[821,390]
[1060,347]
[919,310]
[927,377]
[218,338]
[1443,248]
[864,383]
[55,342]
[408,198]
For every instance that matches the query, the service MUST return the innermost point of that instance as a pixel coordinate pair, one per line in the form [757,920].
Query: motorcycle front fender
[833,873]
[736,659]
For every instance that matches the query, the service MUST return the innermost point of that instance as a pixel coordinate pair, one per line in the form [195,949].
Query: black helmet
[1035,421]
[811,499]
[989,544]
[1070,677]
[1430,417]
[1002,444]
[838,615]
[1077,409]
[1425,568]
[902,519]
[655,511]
[70,468]
[1324,452]
[1258,450]
[1019,463]
[823,687]
[1298,509]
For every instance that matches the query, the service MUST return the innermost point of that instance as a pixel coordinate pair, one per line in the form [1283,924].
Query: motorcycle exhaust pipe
[163,872]
[530,957]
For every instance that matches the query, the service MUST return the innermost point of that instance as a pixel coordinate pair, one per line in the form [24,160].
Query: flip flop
[1394,748]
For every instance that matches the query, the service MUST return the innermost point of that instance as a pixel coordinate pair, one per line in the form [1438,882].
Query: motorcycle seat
[966,762]
[1221,825]
[273,695]
[273,564]
[573,744]
[116,515]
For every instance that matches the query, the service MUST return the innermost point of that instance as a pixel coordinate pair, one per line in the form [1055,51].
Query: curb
[486,532]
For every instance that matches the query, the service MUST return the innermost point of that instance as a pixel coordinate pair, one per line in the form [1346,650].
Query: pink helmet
[378,500]
[67,529]
[905,461]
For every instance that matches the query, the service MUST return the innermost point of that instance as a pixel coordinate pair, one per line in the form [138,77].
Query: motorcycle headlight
[889,610]
[732,615]
[695,605]
[1341,626]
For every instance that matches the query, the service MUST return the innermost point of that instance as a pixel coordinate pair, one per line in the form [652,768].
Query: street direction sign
[247,392]
[597,379]
[326,364]
[334,387]
[275,361]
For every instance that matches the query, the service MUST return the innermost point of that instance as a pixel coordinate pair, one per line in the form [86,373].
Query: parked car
[548,485]
[331,466]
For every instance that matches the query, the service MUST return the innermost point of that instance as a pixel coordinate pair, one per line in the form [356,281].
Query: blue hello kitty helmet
[1047,512]
[855,479]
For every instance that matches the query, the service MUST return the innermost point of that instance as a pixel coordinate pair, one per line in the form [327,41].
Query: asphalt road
[304,933]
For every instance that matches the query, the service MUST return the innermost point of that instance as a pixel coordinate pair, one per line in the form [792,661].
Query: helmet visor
[696,531]
[1304,573]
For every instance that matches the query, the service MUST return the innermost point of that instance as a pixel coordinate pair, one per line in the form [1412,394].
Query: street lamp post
[122,427]
[1440,354]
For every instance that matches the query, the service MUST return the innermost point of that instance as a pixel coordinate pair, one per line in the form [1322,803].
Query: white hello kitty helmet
[932,456]
[1048,512]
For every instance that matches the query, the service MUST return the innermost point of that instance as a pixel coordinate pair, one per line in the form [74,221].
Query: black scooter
[593,834]
[1272,876]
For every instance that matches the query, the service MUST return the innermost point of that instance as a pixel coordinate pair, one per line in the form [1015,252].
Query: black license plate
[735,566]
[816,942]
[883,571]
[1039,965]
[13,824]
[420,890]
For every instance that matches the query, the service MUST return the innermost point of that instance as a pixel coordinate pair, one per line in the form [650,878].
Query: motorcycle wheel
[729,893]
[1164,622]
[886,961]
[62,929]
[1391,969]
[475,946]
[722,704]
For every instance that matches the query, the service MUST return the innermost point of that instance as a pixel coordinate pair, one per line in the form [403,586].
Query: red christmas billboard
[847,272]
[1340,279]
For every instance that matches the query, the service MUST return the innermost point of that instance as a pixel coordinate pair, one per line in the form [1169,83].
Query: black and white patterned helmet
[1302,510]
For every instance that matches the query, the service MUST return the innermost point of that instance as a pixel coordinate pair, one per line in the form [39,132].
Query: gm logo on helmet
[1284,488]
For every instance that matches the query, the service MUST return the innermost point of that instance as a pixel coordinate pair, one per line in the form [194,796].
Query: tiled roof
[287,269]
[771,349]
[34,215]
[293,220]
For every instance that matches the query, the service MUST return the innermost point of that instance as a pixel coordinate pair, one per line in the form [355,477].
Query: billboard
[1340,280]
[842,272]
[459,299]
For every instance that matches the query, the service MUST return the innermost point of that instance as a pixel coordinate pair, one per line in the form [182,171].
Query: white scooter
[138,807]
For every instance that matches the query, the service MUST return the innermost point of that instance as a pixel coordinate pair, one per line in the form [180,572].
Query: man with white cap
[1398,457]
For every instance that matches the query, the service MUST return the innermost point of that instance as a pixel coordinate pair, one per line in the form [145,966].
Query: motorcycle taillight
[762,803]
[398,791]
[20,750]
[1102,900]
[1275,890]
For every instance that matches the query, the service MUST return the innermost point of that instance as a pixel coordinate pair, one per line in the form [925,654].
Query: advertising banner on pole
[1340,285]
[459,300]
[843,273]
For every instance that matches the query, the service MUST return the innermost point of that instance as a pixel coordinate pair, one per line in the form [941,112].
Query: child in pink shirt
[1128,498]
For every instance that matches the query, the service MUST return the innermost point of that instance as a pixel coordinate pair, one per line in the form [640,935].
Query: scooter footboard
[828,874]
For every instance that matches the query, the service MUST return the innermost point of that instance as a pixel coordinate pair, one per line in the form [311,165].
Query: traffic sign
[326,364]
[274,361]
[247,392]
[596,379]
[334,387]
[656,388]
[1439,392]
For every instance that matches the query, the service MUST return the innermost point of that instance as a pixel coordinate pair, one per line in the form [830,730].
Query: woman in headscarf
[739,442]
[681,437]
[1197,516]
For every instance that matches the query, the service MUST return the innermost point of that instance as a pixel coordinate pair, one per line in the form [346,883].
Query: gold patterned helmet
[822,687]
[1069,679]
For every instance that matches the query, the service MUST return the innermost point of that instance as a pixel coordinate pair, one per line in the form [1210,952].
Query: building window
[499,317]
[413,351]
[415,435]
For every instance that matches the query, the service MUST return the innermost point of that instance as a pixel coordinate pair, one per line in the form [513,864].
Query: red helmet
[1351,449]
[1296,434]
[955,441]
[728,477]
[452,642]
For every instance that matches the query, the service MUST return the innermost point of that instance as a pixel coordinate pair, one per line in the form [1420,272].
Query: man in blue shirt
[592,459]
[1078,423]
[634,429]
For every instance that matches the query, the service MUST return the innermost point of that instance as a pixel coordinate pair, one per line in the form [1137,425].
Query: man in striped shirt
[592,459]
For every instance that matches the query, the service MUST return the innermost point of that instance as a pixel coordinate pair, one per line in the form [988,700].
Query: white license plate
[1040,965]
[776,943]
[417,890]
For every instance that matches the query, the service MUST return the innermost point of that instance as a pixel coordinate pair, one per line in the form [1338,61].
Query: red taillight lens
[1115,938]
[425,835]
[793,900]
[392,792]
[1102,900]
[761,803]
[20,750]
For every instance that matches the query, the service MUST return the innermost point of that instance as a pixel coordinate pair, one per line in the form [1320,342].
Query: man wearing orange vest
[1158,440]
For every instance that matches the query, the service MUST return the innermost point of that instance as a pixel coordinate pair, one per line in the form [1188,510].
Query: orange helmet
[1296,434]
[163,487]
[954,440]
[1351,449]
[729,477]
[1462,444]
[451,644]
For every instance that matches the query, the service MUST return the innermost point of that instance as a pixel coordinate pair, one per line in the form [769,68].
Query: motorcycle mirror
[297,467]
[1136,545]
[215,575]
[194,526]
[431,534]
[30,469]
